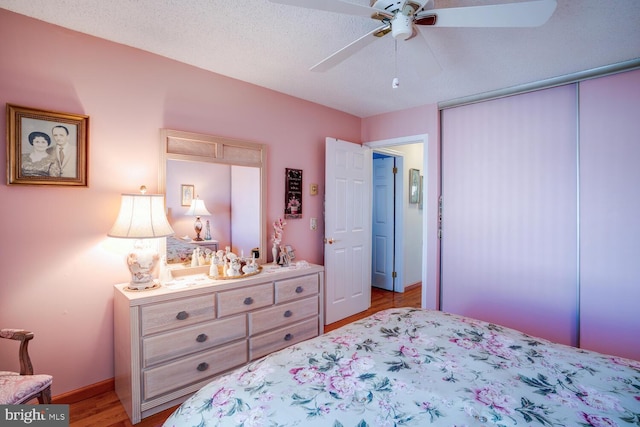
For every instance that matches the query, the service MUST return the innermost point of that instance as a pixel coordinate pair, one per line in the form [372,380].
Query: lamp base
[197,226]
[142,262]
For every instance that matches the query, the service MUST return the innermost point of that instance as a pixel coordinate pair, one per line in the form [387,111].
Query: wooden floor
[105,409]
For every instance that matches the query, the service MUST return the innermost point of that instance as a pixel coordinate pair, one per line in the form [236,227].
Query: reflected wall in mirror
[230,177]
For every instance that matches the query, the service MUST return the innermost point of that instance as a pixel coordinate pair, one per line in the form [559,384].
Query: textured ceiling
[273,46]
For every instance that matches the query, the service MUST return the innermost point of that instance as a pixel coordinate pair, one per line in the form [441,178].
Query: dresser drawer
[175,375]
[162,347]
[173,314]
[244,299]
[282,315]
[281,338]
[298,287]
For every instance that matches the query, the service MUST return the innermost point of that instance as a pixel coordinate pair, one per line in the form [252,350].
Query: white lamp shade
[197,208]
[141,216]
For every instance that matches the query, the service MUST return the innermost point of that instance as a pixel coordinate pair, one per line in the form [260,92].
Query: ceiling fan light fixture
[401,28]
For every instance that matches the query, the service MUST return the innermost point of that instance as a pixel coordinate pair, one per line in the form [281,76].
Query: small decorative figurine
[234,268]
[194,257]
[207,231]
[165,273]
[213,268]
[283,258]
[250,267]
[278,227]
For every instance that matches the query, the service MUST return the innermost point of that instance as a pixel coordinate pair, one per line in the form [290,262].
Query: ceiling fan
[401,18]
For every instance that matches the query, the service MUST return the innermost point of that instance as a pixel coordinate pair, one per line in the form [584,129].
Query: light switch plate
[313,189]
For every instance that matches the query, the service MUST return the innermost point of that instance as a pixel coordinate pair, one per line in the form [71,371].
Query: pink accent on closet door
[509,246]
[610,214]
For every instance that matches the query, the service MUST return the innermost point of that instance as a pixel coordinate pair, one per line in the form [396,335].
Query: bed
[421,367]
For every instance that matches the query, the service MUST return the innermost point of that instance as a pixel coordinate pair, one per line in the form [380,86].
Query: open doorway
[397,241]
[386,218]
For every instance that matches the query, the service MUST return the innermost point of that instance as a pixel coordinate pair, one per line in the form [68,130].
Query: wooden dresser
[169,342]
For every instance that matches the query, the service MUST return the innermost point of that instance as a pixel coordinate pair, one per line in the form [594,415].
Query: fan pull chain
[395,82]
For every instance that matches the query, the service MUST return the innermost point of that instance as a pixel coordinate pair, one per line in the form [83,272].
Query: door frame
[415,139]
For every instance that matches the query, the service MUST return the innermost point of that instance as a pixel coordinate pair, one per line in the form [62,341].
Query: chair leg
[45,397]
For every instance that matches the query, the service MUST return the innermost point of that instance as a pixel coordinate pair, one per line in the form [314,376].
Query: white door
[383,236]
[347,249]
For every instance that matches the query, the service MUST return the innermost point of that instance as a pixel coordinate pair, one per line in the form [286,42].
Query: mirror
[229,176]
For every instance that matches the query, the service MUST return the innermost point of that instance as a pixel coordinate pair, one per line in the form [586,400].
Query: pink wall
[57,264]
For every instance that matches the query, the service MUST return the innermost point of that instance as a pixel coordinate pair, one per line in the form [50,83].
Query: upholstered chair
[21,387]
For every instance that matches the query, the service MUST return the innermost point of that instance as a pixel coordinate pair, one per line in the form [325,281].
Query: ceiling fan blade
[525,14]
[337,6]
[339,56]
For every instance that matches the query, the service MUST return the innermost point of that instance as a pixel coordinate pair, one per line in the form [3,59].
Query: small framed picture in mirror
[187,194]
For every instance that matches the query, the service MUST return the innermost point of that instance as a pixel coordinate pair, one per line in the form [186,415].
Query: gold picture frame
[187,192]
[62,161]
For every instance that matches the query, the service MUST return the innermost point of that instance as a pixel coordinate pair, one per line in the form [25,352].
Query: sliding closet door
[509,243]
[610,214]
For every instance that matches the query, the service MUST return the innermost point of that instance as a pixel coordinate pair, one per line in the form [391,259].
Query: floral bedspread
[420,367]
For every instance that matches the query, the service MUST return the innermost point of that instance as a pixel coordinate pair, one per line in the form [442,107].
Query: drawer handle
[299,290]
[202,338]
[248,301]
[288,313]
[182,315]
[203,367]
[288,337]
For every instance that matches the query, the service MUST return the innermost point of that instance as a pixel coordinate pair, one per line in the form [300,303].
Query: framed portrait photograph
[414,185]
[46,147]
[187,191]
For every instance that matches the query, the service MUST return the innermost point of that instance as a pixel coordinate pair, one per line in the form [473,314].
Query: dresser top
[197,284]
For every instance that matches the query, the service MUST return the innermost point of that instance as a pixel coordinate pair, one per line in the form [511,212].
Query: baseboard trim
[92,390]
[406,288]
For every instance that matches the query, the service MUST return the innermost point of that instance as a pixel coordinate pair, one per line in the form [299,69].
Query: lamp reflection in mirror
[197,209]
[141,216]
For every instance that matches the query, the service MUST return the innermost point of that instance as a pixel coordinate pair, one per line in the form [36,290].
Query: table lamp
[141,216]
[197,209]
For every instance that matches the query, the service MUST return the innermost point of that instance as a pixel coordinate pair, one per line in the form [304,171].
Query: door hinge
[394,274]
[395,170]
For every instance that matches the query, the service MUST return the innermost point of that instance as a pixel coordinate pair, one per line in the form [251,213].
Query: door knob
[329,241]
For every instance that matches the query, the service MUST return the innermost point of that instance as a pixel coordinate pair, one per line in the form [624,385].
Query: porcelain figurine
[234,268]
[213,269]
[207,231]
[165,273]
[250,267]
[194,257]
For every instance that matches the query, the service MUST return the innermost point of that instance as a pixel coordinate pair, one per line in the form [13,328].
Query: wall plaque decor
[293,193]
[414,185]
[46,147]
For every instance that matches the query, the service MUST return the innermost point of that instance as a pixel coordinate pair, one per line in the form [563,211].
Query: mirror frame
[195,147]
